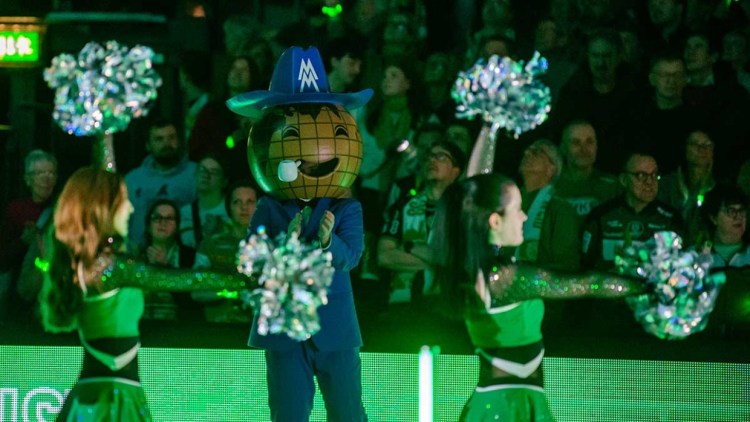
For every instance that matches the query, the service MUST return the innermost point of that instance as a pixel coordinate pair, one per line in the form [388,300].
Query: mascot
[305,151]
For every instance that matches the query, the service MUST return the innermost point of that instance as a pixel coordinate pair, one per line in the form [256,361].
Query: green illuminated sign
[229,385]
[19,46]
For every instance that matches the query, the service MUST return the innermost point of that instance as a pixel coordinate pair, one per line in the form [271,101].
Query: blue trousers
[291,388]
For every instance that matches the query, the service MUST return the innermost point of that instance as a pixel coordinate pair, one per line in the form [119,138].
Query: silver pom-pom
[294,280]
[103,89]
[683,294]
[504,93]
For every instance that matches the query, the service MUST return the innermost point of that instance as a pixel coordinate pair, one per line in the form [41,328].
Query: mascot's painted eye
[290,131]
[341,131]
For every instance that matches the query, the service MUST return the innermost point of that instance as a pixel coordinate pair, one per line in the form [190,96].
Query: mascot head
[305,144]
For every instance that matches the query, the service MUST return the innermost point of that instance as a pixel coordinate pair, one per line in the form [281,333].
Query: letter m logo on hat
[307,76]
[299,77]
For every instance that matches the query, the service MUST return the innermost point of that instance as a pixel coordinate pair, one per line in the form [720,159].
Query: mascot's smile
[309,168]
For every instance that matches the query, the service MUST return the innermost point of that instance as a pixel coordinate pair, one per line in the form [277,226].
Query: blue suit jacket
[338,319]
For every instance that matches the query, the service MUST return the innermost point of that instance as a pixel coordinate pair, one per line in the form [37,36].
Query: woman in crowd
[686,188]
[163,242]
[164,247]
[389,121]
[220,252]
[724,233]
[501,300]
[92,287]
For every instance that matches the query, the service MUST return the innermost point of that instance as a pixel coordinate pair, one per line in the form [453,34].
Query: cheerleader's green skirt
[505,403]
[105,399]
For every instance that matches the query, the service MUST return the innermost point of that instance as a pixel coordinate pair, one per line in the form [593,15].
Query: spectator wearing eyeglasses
[408,224]
[410,174]
[24,219]
[686,188]
[631,218]
[163,247]
[22,215]
[724,234]
[551,235]
[206,215]
[409,220]
[724,229]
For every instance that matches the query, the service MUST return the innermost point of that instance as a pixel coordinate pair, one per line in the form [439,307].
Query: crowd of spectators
[650,100]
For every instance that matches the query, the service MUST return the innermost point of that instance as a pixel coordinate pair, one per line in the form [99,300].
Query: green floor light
[426,355]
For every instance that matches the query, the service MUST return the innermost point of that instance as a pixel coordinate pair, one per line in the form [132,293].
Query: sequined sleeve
[516,282]
[126,271]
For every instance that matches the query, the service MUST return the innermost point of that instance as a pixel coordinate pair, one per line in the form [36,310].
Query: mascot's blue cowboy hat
[299,77]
